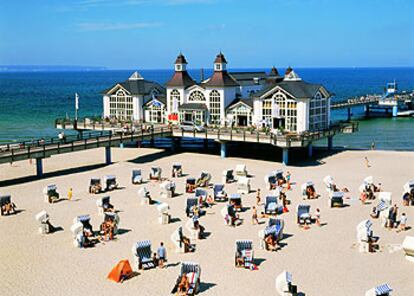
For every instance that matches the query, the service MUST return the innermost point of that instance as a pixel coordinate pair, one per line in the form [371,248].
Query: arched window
[174,100]
[196,96]
[214,107]
[120,105]
[318,113]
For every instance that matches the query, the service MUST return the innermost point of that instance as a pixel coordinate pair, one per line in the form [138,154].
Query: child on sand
[318,217]
[254,216]
[403,223]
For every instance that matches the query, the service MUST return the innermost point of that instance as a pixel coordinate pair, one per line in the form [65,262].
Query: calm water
[29,102]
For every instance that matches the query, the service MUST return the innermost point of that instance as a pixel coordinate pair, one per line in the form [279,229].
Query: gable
[115,88]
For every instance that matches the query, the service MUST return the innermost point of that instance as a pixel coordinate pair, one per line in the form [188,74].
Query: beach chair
[204,179]
[80,225]
[43,219]
[271,181]
[143,255]
[114,217]
[163,213]
[272,207]
[190,185]
[408,194]
[167,189]
[95,186]
[382,290]
[193,273]
[110,183]
[228,176]
[284,286]
[6,205]
[329,184]
[136,176]
[230,216]
[244,254]
[240,171]
[104,205]
[336,199]
[243,185]
[50,193]
[191,203]
[369,181]
[409,186]
[408,247]
[177,170]
[201,194]
[276,230]
[176,238]
[194,233]
[303,214]
[384,205]
[219,193]
[144,195]
[280,225]
[365,236]
[306,186]
[155,173]
[236,201]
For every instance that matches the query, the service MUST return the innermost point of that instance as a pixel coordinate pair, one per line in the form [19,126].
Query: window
[218,67]
[121,106]
[174,101]
[287,110]
[196,96]
[267,110]
[214,107]
[242,115]
[156,113]
[318,113]
[178,67]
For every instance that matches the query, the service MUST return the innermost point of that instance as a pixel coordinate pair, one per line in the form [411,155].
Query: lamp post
[76,110]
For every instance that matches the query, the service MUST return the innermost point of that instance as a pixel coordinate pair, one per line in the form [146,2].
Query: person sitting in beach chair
[408,196]
[200,229]
[142,254]
[155,173]
[365,237]
[303,216]
[204,180]
[201,195]
[104,205]
[192,205]
[190,185]
[50,193]
[110,183]
[270,242]
[230,215]
[83,232]
[177,170]
[244,254]
[219,193]
[235,200]
[136,176]
[308,190]
[228,176]
[95,186]
[109,226]
[188,282]
[6,205]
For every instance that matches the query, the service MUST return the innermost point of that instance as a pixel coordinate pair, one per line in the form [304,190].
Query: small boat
[406,113]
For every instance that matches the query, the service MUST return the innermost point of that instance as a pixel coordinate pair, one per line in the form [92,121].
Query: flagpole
[76,110]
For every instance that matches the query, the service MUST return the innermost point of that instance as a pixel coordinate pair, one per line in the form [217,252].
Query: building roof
[181,59]
[274,72]
[221,79]
[248,102]
[159,97]
[182,79]
[220,59]
[297,88]
[243,76]
[136,85]
[192,106]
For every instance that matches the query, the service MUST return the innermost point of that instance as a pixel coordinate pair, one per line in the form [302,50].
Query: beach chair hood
[42,217]
[283,283]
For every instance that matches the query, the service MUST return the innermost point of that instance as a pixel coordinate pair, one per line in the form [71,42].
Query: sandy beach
[323,260]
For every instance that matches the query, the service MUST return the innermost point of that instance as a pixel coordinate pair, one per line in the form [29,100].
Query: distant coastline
[48,68]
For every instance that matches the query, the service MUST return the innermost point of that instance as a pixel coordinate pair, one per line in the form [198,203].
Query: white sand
[323,261]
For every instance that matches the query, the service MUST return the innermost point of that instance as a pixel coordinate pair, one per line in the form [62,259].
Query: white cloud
[115,26]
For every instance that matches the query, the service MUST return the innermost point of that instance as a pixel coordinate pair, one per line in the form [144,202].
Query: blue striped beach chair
[271,206]
[381,290]
[191,202]
[192,271]
[136,176]
[276,225]
[236,200]
[142,252]
[219,193]
[244,250]
[303,214]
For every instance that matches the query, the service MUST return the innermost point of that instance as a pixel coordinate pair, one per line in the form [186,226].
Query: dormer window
[178,67]
[218,67]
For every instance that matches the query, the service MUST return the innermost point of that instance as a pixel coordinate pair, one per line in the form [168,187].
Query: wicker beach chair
[272,207]
[50,193]
[177,170]
[244,253]
[284,286]
[190,185]
[155,173]
[381,290]
[219,193]
[136,176]
[303,214]
[143,255]
[193,273]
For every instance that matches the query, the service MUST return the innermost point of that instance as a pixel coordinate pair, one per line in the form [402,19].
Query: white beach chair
[155,173]
[408,247]
[43,219]
[364,233]
[284,285]
[243,185]
[103,205]
[144,195]
[384,205]
[167,189]
[50,193]
[240,171]
[382,290]
[77,231]
[163,213]
[136,176]
[305,186]
[194,233]
[244,250]
[176,238]
[329,184]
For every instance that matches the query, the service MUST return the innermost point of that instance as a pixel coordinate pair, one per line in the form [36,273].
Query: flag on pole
[76,101]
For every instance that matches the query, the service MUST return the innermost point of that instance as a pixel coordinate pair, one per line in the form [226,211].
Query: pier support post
[310,149]
[108,156]
[367,110]
[285,156]
[206,144]
[330,143]
[223,150]
[394,111]
[349,114]
[39,167]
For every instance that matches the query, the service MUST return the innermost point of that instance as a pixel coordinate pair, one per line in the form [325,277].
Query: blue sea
[31,101]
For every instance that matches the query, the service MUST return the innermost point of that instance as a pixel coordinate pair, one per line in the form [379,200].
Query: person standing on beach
[373,145]
[254,216]
[318,217]
[367,162]
[258,197]
[403,223]
[70,194]
[162,254]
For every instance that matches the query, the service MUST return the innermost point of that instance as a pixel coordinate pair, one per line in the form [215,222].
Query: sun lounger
[244,253]
[336,199]
[50,193]
[240,171]
[272,207]
[190,185]
[43,219]
[110,183]
[143,255]
[136,176]
[204,179]
[163,213]
[193,273]
[303,214]
[219,193]
[243,185]
[155,173]
[167,189]
[284,286]
[228,176]
[95,185]
[177,170]
[408,247]
[191,203]
[144,195]
[382,290]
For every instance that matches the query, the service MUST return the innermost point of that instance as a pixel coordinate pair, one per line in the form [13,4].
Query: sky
[148,34]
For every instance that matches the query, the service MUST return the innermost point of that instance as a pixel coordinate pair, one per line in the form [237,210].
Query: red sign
[173,117]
